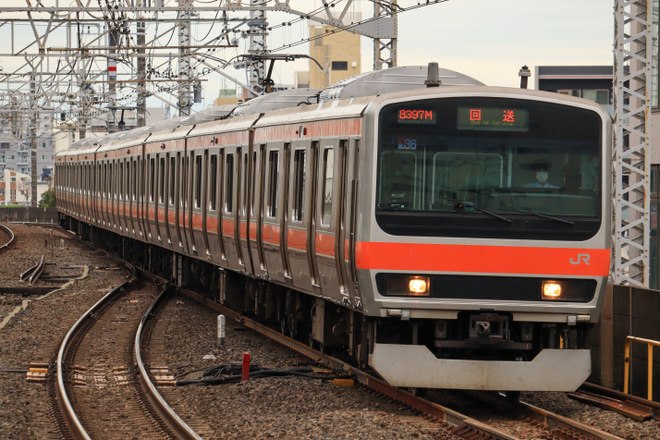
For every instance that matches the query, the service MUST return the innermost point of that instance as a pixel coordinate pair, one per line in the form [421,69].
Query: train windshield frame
[489,167]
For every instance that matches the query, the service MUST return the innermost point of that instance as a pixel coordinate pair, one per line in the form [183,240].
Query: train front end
[486,251]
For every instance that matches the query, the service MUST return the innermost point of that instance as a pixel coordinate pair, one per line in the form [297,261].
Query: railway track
[6,231]
[548,424]
[100,392]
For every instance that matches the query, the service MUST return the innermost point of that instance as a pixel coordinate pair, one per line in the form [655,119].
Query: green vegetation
[47,199]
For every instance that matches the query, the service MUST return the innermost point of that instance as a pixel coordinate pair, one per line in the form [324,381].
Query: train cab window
[213,182]
[272,183]
[198,181]
[229,184]
[299,166]
[490,167]
[328,173]
[399,190]
[161,176]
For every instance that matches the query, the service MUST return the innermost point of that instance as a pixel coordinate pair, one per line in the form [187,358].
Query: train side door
[246,171]
[257,209]
[239,206]
[313,173]
[177,202]
[330,234]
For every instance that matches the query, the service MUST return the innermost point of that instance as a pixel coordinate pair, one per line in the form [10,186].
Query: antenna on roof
[432,76]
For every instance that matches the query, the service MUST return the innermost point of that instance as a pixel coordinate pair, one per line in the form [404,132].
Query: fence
[29,215]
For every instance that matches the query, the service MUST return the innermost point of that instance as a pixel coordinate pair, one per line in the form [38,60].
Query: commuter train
[451,236]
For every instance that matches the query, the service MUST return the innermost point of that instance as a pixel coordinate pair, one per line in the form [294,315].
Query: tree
[47,199]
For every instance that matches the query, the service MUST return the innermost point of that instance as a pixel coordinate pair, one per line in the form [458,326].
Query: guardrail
[626,374]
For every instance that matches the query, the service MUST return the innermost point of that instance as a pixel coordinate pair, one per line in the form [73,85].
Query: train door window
[328,183]
[213,182]
[244,189]
[120,188]
[99,181]
[198,181]
[272,183]
[229,184]
[111,188]
[161,176]
[253,189]
[172,179]
[136,169]
[152,180]
[299,166]
[127,189]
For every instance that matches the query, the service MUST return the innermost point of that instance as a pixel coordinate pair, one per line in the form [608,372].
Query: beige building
[16,188]
[337,52]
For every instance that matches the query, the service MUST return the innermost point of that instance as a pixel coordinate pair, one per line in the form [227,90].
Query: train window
[244,180]
[152,180]
[127,189]
[172,179]
[399,190]
[229,184]
[272,183]
[213,182]
[134,180]
[198,181]
[111,190]
[99,181]
[328,172]
[299,166]
[161,175]
[477,166]
[120,187]
[253,187]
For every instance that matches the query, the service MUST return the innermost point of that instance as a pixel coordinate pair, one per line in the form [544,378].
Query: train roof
[396,79]
[325,104]
[278,100]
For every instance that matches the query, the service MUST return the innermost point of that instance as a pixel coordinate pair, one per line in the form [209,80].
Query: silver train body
[448,237]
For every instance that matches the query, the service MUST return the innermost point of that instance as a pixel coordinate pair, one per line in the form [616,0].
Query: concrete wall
[29,215]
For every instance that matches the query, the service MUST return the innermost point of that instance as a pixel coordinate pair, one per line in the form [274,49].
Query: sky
[490,40]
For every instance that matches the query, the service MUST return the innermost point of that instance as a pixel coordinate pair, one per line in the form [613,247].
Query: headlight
[418,286]
[551,290]
[565,290]
[406,285]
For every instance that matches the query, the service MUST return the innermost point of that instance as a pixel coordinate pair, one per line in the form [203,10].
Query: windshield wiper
[546,216]
[549,217]
[463,205]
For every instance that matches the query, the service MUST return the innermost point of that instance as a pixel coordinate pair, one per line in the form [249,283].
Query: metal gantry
[87,60]
[633,50]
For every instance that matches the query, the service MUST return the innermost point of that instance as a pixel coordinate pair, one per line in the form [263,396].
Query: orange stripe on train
[423,257]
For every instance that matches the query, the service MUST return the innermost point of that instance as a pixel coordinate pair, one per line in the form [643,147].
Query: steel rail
[439,412]
[37,271]
[71,418]
[11,235]
[158,403]
[166,414]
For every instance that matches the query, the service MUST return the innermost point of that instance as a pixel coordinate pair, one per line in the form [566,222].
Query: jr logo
[581,258]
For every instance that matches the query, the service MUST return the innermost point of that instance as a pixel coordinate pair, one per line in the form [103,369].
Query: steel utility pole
[633,50]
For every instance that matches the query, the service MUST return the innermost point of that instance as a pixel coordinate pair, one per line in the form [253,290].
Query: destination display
[493,119]
[416,116]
